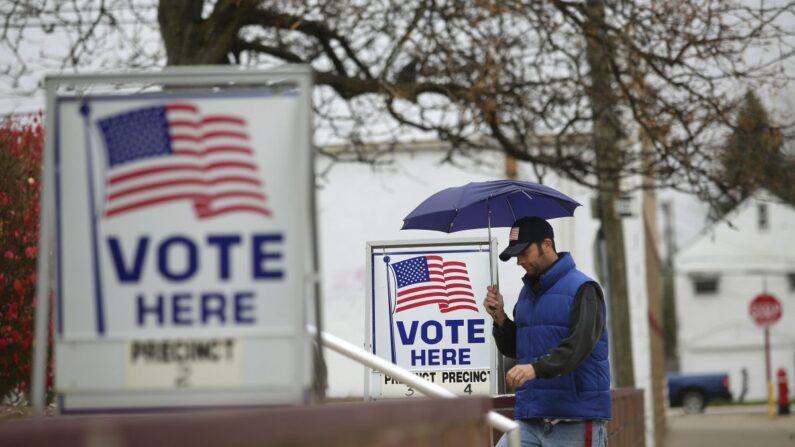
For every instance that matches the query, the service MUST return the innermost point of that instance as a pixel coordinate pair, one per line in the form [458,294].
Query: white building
[749,252]
[361,202]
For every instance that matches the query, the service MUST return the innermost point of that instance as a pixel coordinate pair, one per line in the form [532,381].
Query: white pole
[38,381]
[505,425]
[494,419]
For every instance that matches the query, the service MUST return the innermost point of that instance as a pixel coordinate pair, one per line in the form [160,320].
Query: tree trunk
[606,135]
[190,39]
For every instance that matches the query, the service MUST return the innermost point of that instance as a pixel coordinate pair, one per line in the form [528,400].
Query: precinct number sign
[465,382]
[182,223]
[424,314]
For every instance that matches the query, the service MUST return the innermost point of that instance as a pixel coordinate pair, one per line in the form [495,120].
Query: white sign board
[425,314]
[183,249]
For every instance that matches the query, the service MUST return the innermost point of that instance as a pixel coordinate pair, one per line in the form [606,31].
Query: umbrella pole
[495,274]
[491,258]
[491,261]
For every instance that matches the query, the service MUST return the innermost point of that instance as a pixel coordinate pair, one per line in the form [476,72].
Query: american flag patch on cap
[514,234]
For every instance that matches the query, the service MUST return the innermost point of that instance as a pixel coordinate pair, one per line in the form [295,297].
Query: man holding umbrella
[559,339]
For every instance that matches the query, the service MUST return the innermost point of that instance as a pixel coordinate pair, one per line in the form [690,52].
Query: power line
[66,24]
[115,8]
[38,18]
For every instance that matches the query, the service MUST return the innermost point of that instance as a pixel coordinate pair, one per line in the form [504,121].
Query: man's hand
[494,305]
[520,374]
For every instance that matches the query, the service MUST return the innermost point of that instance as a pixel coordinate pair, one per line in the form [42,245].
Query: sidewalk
[729,427]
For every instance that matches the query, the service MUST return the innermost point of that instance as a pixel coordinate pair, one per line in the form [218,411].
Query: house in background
[749,252]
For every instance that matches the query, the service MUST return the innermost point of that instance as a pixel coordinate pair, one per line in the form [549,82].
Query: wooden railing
[627,429]
[397,423]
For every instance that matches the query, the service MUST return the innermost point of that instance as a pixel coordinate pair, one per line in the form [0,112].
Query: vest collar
[551,275]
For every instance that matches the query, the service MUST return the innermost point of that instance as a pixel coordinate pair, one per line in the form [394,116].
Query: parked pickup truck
[694,391]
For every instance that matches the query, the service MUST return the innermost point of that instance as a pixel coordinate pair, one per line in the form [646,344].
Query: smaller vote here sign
[425,311]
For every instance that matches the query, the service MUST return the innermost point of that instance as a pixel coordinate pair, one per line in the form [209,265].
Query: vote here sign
[182,249]
[425,314]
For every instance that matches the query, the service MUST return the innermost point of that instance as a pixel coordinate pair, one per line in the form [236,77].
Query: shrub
[21,143]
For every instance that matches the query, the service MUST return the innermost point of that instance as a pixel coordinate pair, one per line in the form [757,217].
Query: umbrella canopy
[497,203]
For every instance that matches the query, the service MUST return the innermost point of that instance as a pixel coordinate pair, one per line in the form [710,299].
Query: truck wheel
[693,401]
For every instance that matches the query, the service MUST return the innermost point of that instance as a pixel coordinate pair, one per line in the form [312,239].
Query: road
[729,427]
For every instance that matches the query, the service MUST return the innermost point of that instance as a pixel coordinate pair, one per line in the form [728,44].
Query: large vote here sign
[425,314]
[183,247]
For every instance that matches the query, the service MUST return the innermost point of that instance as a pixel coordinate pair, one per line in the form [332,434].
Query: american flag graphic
[170,153]
[514,235]
[430,279]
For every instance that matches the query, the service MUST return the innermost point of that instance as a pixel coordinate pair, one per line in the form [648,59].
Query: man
[562,374]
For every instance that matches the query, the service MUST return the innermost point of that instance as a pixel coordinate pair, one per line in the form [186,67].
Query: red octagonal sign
[765,310]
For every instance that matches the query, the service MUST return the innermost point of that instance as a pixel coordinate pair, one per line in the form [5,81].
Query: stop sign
[765,310]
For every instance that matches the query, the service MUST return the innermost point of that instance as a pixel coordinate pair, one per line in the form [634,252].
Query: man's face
[535,258]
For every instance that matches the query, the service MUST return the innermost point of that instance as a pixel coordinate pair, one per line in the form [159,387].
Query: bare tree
[586,76]
[57,36]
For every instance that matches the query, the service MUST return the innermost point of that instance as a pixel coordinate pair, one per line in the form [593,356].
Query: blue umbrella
[496,203]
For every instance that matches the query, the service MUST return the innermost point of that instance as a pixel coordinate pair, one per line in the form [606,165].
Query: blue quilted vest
[542,322]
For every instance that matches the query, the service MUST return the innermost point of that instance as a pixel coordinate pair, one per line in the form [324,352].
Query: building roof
[740,240]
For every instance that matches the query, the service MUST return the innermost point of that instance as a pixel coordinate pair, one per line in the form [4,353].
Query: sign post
[765,310]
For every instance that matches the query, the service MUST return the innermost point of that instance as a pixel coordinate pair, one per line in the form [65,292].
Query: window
[791,279]
[704,284]
[763,219]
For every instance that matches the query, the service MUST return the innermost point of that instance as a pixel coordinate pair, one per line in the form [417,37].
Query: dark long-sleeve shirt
[586,323]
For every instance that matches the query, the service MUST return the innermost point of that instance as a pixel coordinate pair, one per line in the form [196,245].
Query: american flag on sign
[430,279]
[170,153]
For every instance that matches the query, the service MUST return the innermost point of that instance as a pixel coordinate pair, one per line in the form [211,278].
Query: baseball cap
[524,232]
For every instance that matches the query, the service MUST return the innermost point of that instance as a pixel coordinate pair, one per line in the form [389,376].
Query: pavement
[728,427]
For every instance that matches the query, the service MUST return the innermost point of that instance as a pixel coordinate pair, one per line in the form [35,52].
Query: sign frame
[374,248]
[200,79]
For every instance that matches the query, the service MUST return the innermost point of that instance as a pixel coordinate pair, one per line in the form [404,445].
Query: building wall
[716,333]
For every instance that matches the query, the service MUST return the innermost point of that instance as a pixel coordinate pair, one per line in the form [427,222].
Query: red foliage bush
[21,146]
